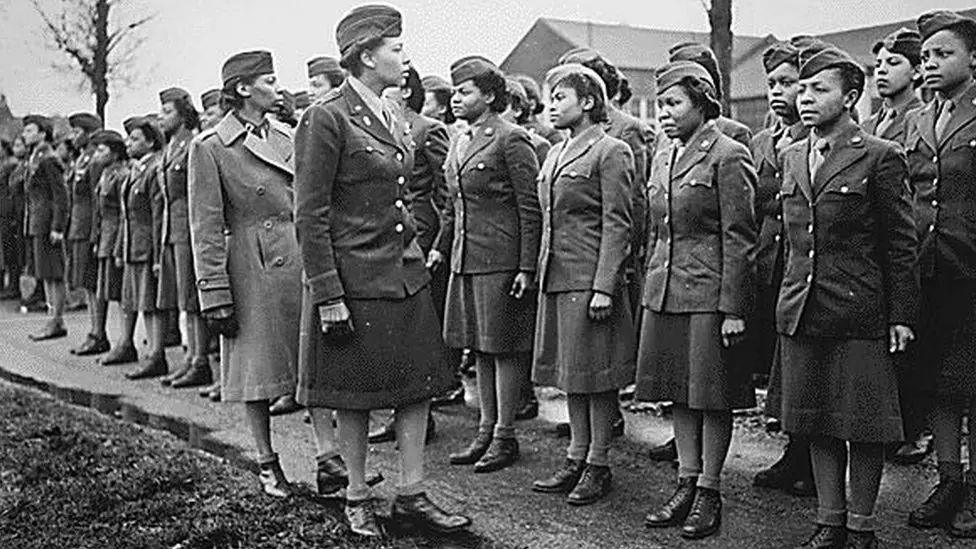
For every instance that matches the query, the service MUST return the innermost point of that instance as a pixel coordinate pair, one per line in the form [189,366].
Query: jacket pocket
[698,177]
[848,187]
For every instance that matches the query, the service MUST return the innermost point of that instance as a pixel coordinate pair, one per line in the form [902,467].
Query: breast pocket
[847,188]
[699,177]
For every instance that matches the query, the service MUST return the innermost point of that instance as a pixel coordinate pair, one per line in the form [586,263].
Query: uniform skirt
[394,356]
[82,266]
[166,281]
[186,278]
[138,288]
[481,315]
[580,355]
[48,258]
[681,359]
[841,388]
[944,367]
[109,286]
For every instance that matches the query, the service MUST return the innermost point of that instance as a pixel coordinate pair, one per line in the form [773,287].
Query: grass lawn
[74,479]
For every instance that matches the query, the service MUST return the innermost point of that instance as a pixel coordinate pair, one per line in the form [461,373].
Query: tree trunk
[720,20]
[99,77]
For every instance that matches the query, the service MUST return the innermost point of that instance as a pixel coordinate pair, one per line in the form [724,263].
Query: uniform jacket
[493,222]
[851,244]
[943,174]
[586,220]
[45,193]
[142,212]
[7,207]
[426,193]
[82,178]
[550,134]
[703,259]
[243,234]
[640,138]
[769,207]
[16,183]
[540,146]
[357,237]
[107,217]
[734,129]
[173,180]
[896,131]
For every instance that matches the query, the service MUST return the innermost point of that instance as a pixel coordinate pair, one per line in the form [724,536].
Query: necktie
[885,121]
[463,141]
[817,154]
[945,113]
[784,141]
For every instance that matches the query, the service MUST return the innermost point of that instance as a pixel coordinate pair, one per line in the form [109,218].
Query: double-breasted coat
[359,245]
[701,269]
[584,191]
[246,253]
[138,244]
[46,211]
[491,228]
[106,224]
[177,287]
[850,273]
[942,172]
[426,193]
[82,179]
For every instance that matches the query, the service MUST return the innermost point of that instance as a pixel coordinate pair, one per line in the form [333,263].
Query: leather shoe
[85,343]
[180,372]
[151,366]
[530,410]
[124,354]
[827,537]
[362,519]
[52,330]
[861,540]
[199,374]
[592,486]
[676,509]
[450,398]
[502,453]
[665,452]
[94,346]
[386,433]
[419,512]
[705,516]
[333,476]
[779,475]
[273,480]
[562,481]
[284,405]
[913,451]
[204,392]
[964,523]
[940,507]
[474,451]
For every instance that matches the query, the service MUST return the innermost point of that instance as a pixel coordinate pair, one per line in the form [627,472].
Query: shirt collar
[373,101]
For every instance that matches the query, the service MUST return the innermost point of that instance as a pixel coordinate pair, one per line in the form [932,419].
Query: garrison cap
[830,58]
[516,89]
[174,94]
[701,54]
[581,55]
[42,122]
[903,41]
[935,21]
[560,72]
[302,100]
[432,82]
[86,121]
[779,53]
[469,67]
[323,65]
[531,86]
[366,23]
[108,137]
[674,72]
[248,63]
[210,98]
[149,129]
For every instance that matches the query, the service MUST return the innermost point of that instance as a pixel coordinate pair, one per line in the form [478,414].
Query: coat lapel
[577,148]
[363,118]
[962,116]
[696,149]
[926,125]
[483,136]
[848,149]
[269,150]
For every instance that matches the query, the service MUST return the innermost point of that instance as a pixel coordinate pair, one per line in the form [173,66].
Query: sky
[189,40]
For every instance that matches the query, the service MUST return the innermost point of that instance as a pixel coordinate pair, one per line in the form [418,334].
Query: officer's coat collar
[696,149]
[274,150]
[846,148]
[963,114]
[577,147]
[482,135]
[361,116]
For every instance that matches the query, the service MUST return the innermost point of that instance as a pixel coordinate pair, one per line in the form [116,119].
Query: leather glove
[223,321]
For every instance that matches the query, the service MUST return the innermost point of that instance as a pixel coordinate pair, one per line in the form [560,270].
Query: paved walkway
[502,505]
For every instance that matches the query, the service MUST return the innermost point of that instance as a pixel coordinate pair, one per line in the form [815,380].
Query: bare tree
[720,21]
[91,35]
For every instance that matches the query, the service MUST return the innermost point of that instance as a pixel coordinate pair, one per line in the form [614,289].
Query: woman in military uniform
[534,108]
[584,333]
[371,322]
[491,228]
[698,291]
[245,250]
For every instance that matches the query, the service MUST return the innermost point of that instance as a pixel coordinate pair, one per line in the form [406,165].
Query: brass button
[935,159]
[935,203]
[844,189]
[369,148]
[279,261]
[776,238]
[932,227]
[481,165]
[260,190]
[809,278]
[399,228]
[810,228]
[401,180]
[399,157]
[811,254]
[935,181]
[398,203]
[268,224]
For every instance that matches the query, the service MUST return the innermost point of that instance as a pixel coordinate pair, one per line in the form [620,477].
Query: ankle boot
[362,519]
[562,481]
[779,475]
[676,509]
[502,453]
[592,486]
[665,452]
[941,506]
[474,451]
[964,523]
[827,537]
[417,511]
[705,516]
[273,480]
[198,375]
[861,540]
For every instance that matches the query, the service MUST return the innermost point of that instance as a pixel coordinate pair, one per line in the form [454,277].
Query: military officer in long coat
[369,315]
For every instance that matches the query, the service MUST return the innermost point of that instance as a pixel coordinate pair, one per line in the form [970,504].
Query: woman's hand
[899,336]
[733,328]
[434,259]
[600,306]
[522,282]
[336,320]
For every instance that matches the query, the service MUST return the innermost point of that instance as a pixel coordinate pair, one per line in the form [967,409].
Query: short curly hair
[586,87]
[493,82]
[702,96]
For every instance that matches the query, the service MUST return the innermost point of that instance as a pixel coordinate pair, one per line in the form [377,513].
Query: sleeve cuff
[325,287]
[214,292]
